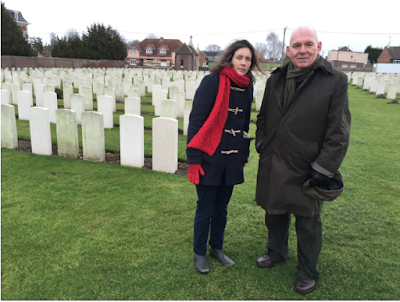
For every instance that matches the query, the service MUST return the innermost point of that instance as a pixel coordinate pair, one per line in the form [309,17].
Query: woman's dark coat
[315,128]
[218,164]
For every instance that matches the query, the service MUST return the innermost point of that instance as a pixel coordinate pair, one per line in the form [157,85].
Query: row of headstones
[377,84]
[164,136]
[174,107]
[98,85]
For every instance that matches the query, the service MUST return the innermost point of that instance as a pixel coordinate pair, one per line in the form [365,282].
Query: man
[302,132]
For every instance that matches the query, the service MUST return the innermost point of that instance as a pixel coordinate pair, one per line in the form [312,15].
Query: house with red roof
[153,53]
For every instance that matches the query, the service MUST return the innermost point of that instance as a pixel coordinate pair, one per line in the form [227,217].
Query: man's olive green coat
[314,129]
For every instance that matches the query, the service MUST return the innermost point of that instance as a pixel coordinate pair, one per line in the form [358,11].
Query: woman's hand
[194,171]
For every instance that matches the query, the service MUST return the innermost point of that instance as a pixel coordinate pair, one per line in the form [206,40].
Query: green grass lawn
[78,230]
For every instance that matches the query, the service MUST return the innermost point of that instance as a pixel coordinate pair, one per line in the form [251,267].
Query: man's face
[303,48]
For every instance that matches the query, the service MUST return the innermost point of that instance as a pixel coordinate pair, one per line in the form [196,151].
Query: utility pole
[283,44]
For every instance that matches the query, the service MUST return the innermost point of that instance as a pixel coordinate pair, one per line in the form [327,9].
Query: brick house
[390,54]
[203,59]
[153,52]
[20,20]
[186,58]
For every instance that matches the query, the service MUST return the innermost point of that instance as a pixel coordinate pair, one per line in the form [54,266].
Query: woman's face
[241,60]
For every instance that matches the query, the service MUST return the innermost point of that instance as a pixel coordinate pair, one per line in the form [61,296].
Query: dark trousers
[309,242]
[210,217]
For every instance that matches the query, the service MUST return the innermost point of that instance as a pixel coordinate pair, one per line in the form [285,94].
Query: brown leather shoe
[304,286]
[265,261]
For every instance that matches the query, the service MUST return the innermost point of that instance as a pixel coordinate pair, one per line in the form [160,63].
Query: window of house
[163,64]
[181,62]
[149,50]
[353,65]
[149,63]
[164,51]
[133,50]
[133,62]
[345,65]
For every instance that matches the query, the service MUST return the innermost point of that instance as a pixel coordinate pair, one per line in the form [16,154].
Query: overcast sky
[356,24]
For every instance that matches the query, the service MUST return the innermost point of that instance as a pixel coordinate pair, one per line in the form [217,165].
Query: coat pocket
[321,194]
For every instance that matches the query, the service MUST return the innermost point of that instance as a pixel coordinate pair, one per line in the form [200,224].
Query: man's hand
[319,180]
[194,171]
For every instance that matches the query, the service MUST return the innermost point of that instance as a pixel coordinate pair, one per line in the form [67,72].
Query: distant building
[186,58]
[153,52]
[345,58]
[390,54]
[203,59]
[20,20]
[213,56]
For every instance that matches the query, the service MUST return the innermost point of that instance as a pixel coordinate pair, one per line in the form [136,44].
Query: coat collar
[324,65]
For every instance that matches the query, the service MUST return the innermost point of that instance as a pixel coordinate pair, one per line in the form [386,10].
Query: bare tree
[130,42]
[262,48]
[213,47]
[152,36]
[72,32]
[274,46]
[53,39]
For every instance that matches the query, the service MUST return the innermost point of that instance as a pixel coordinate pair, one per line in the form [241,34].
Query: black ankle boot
[201,264]
[221,257]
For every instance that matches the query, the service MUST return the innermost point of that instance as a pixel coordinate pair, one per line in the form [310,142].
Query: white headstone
[381,88]
[180,104]
[14,88]
[105,106]
[111,92]
[39,125]
[165,144]
[93,136]
[50,102]
[5,97]
[188,109]
[27,87]
[132,106]
[9,138]
[24,104]
[67,91]
[88,97]
[155,95]
[49,88]
[67,133]
[131,129]
[374,86]
[133,93]
[168,108]
[78,105]
[161,95]
[360,81]
[392,90]
[39,90]
[189,90]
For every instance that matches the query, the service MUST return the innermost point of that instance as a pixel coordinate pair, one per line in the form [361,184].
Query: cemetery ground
[79,230]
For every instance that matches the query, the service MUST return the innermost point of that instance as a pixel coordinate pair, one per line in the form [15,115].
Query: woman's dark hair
[227,55]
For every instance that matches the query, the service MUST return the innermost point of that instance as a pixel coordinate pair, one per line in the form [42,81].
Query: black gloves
[324,182]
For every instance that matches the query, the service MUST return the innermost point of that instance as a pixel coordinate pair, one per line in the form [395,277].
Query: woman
[218,145]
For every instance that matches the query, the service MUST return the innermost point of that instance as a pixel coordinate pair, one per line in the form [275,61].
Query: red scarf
[208,137]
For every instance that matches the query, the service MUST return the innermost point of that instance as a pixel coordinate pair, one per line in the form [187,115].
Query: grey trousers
[309,242]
